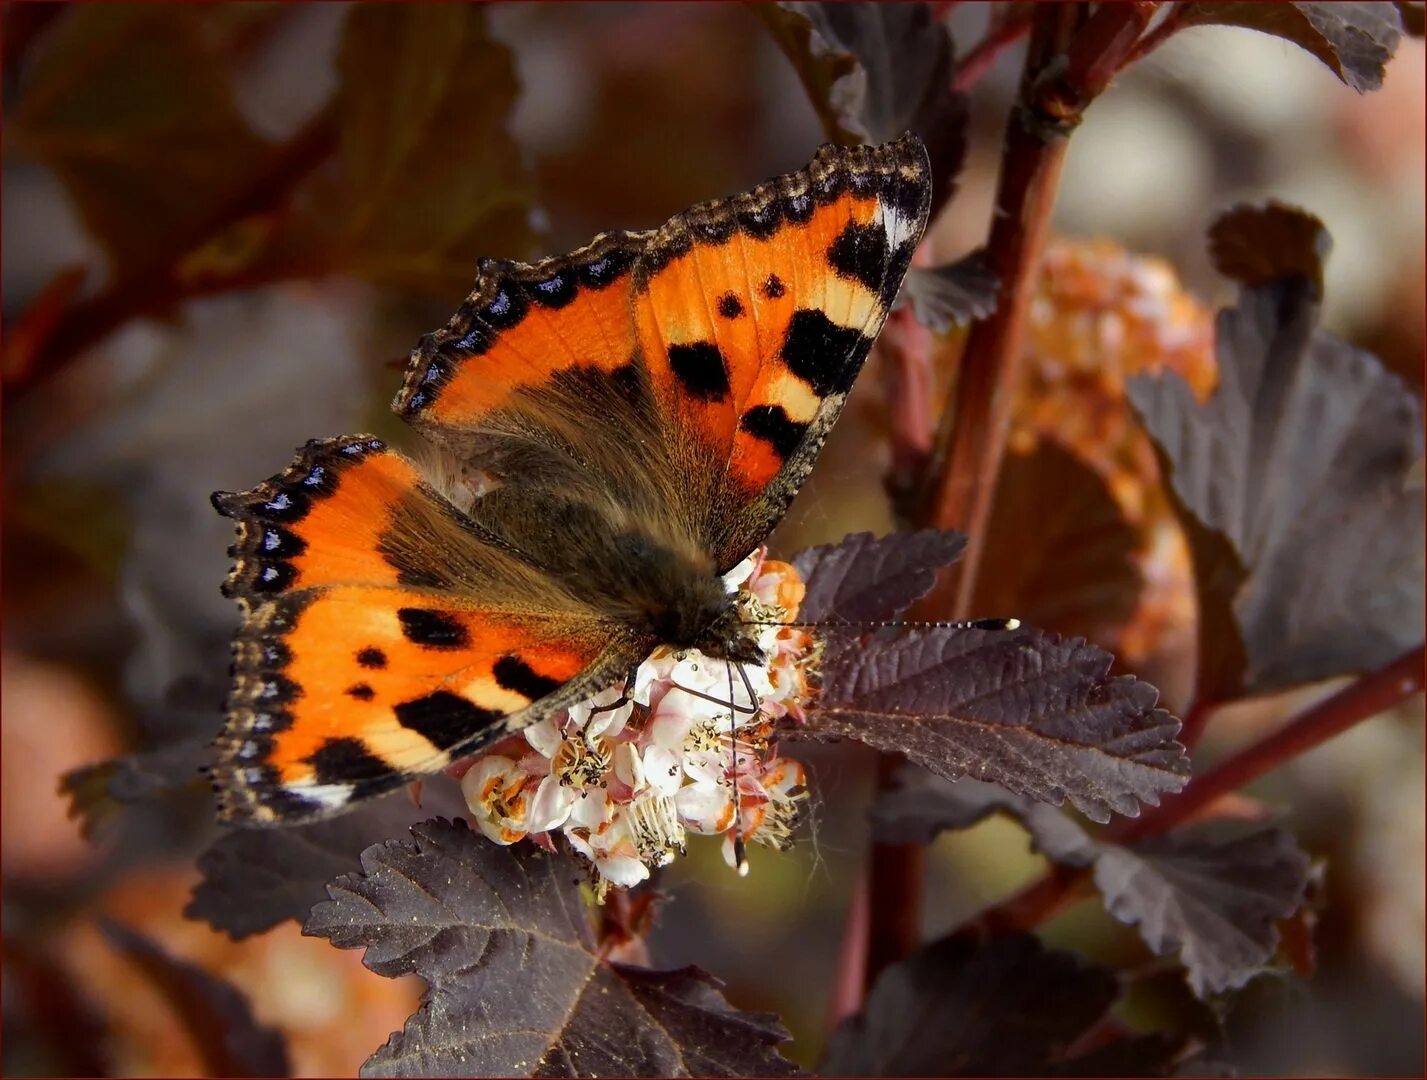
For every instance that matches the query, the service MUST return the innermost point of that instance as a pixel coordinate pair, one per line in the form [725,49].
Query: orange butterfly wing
[382,636]
[661,392]
[755,314]
[741,323]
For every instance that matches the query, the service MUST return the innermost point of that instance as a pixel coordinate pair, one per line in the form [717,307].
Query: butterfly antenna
[740,852]
[899,624]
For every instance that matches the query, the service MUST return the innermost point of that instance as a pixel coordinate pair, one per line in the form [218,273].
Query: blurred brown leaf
[1060,553]
[433,178]
[131,107]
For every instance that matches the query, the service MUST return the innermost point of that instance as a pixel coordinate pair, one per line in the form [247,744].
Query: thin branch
[850,981]
[977,417]
[894,900]
[1361,700]
[1194,722]
[1367,697]
[1173,22]
[981,56]
[157,290]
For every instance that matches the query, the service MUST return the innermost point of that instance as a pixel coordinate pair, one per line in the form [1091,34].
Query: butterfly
[610,431]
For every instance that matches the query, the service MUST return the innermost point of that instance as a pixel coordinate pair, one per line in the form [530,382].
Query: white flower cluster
[627,773]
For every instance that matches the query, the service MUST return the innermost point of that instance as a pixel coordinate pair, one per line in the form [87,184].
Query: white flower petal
[551,806]
[485,778]
[663,770]
[627,765]
[495,831]
[590,809]
[544,736]
[704,808]
[625,870]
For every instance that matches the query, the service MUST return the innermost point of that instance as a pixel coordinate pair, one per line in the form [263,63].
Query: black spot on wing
[730,306]
[513,673]
[346,761]
[361,691]
[371,657]
[506,308]
[445,718]
[773,287]
[605,270]
[275,542]
[821,353]
[762,221]
[433,629]
[772,424]
[701,370]
[861,252]
[272,577]
[554,292]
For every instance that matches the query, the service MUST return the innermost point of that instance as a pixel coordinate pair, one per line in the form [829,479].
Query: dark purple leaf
[953,294]
[1292,486]
[217,1015]
[97,792]
[867,579]
[874,71]
[924,805]
[254,879]
[1155,1054]
[1211,894]
[1060,554]
[1355,40]
[1003,1006]
[1032,711]
[515,987]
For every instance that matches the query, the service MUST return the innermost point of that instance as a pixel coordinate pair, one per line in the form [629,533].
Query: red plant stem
[850,979]
[894,892]
[1194,722]
[159,289]
[978,415]
[984,53]
[907,376]
[1173,22]
[1361,700]
[1031,157]
[1366,697]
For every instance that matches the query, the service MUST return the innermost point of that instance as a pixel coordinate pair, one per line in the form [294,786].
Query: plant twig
[1194,722]
[1173,22]
[972,438]
[159,289]
[850,981]
[1366,697]
[1361,700]
[984,53]
[894,892]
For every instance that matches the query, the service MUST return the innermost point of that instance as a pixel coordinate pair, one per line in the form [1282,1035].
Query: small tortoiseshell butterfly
[616,428]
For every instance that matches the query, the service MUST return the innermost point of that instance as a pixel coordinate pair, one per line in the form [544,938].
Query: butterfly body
[611,431]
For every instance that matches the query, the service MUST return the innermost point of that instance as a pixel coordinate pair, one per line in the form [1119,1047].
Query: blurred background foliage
[225,225]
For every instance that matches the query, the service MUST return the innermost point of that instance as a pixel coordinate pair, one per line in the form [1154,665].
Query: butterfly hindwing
[382,636]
